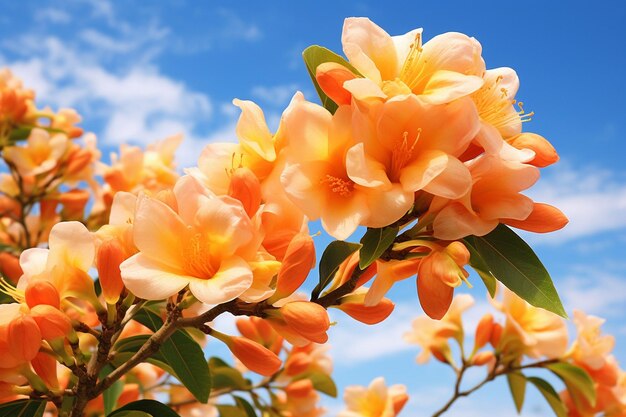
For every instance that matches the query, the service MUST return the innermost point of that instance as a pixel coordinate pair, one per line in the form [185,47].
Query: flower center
[497,108]
[402,153]
[197,257]
[338,185]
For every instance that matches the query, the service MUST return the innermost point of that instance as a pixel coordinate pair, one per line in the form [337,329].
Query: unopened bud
[310,320]
[45,366]
[10,267]
[25,338]
[52,323]
[483,358]
[496,335]
[353,306]
[297,363]
[483,331]
[298,261]
[254,356]
[331,76]
[301,388]
[545,154]
[42,292]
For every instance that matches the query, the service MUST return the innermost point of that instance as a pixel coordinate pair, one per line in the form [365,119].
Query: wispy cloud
[593,199]
[594,291]
[52,15]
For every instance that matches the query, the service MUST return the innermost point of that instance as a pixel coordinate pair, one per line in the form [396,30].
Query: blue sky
[139,71]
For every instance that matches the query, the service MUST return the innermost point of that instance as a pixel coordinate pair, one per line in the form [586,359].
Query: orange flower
[432,335]
[254,356]
[377,400]
[301,322]
[444,69]
[529,330]
[205,245]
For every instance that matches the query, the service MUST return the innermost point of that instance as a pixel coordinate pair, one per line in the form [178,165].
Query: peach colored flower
[494,197]
[65,264]
[447,67]
[407,146]
[529,330]
[377,400]
[316,177]
[41,153]
[591,347]
[204,242]
[432,335]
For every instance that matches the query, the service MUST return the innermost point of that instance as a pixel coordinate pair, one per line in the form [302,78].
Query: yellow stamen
[197,257]
[403,153]
[338,185]
[8,289]
[410,72]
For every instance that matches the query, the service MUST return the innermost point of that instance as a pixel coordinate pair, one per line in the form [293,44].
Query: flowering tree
[417,142]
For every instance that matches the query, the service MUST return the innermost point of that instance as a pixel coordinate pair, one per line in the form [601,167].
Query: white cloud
[593,199]
[594,291]
[374,342]
[53,15]
[278,95]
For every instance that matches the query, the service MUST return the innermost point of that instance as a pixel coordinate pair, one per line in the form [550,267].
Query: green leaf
[131,413]
[20,133]
[334,254]
[127,347]
[245,406]
[551,396]
[150,407]
[517,386]
[23,408]
[314,56]
[231,411]
[514,263]
[375,242]
[577,380]
[478,264]
[321,382]
[111,394]
[225,376]
[184,355]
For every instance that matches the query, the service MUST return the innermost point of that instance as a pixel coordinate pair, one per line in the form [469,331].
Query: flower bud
[297,363]
[300,388]
[298,261]
[353,306]
[42,292]
[245,187]
[483,358]
[52,323]
[25,338]
[483,331]
[108,259]
[254,356]
[543,219]
[45,366]
[77,161]
[496,335]
[330,76]
[74,202]
[10,267]
[309,320]
[258,330]
[545,154]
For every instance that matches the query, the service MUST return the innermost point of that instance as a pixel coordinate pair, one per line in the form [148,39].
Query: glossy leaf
[336,252]
[517,386]
[314,56]
[225,376]
[245,406]
[578,382]
[231,411]
[551,396]
[375,242]
[150,407]
[514,263]
[23,408]
[478,264]
[184,355]
[321,382]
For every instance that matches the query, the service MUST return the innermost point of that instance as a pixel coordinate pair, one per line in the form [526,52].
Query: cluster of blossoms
[529,338]
[417,142]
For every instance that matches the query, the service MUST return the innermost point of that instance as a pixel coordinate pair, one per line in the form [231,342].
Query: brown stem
[458,393]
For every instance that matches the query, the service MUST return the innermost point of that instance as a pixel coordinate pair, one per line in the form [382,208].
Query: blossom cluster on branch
[112,274]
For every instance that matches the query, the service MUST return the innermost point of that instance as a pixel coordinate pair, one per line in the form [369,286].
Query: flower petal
[232,279]
[151,280]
